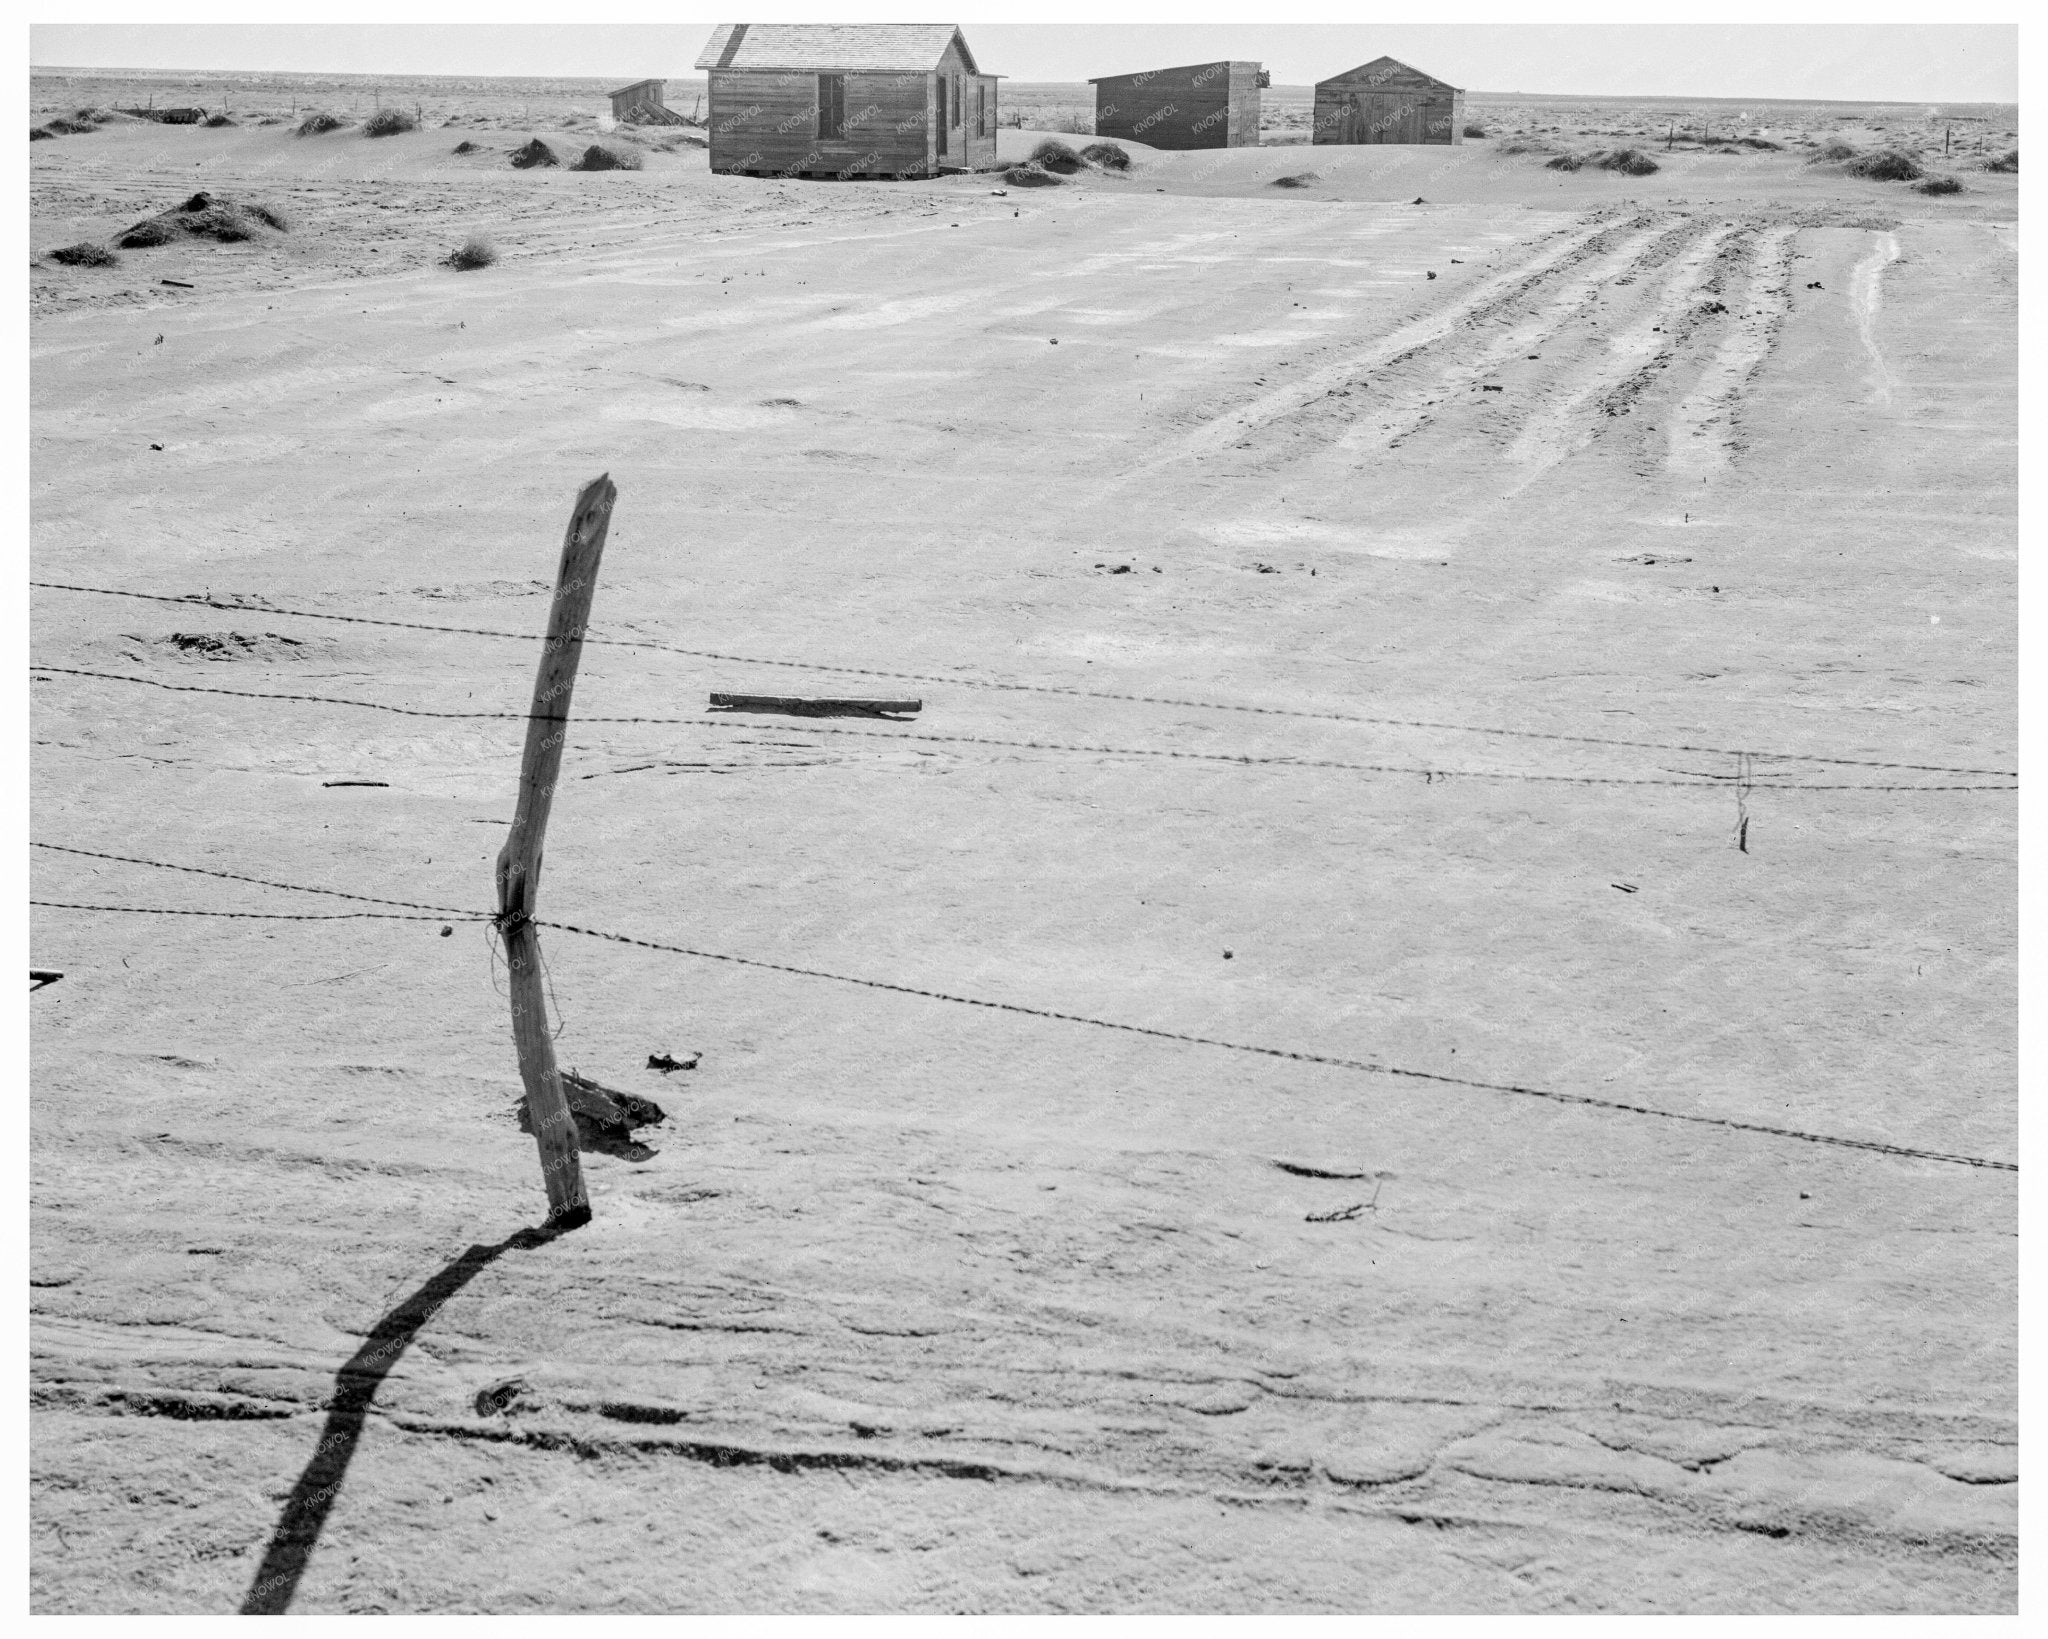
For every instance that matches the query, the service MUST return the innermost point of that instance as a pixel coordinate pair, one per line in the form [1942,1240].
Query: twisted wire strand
[1036,688]
[1330,1061]
[1223,757]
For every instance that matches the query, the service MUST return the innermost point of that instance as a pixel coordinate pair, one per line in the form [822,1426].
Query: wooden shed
[1203,105]
[641,103]
[847,100]
[1387,101]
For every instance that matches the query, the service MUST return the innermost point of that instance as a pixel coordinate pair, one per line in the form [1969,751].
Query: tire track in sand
[1405,413]
[1865,291]
[1701,440]
[1427,328]
[1630,360]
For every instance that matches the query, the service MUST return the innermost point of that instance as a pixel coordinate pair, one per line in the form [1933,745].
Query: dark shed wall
[767,120]
[1200,105]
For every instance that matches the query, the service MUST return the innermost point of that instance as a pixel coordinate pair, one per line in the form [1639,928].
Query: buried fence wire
[1034,688]
[1234,758]
[1291,1055]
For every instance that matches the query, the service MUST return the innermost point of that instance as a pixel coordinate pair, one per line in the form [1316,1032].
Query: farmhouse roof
[1380,65]
[1178,68]
[637,85]
[831,48]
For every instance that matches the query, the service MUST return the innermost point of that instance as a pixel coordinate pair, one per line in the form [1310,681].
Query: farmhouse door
[1391,119]
[945,121]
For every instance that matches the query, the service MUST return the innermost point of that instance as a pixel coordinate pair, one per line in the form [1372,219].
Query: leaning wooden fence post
[554,1129]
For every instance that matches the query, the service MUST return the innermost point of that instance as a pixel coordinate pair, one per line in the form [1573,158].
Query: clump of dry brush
[1628,161]
[389,122]
[315,125]
[1053,159]
[1939,184]
[474,252]
[609,156]
[85,254]
[203,216]
[2005,162]
[1054,155]
[1887,165]
[1300,179]
[532,154]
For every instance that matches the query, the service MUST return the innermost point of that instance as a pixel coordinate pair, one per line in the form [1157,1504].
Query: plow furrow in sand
[1396,414]
[1700,439]
[1620,371]
[1483,300]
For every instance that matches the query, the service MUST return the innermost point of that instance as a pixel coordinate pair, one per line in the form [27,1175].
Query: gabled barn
[642,103]
[847,100]
[1203,105]
[1387,101]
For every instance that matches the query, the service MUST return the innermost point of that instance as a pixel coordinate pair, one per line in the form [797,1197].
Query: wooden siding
[1199,105]
[766,121]
[1387,102]
[642,104]
[964,145]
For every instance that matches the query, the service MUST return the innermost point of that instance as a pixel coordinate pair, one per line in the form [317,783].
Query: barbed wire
[259,881]
[909,734]
[1038,688]
[262,916]
[1292,1055]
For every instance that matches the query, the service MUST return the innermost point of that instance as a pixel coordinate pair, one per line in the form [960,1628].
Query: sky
[1871,62]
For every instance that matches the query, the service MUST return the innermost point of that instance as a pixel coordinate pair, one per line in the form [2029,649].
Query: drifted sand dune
[1316,656]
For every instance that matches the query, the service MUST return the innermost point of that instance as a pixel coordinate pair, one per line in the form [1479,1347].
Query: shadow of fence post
[355,1387]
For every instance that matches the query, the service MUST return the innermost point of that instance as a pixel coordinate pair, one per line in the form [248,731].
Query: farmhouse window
[831,105]
[942,108]
[981,109]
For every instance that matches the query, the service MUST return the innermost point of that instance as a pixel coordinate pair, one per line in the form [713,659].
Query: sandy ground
[925,1307]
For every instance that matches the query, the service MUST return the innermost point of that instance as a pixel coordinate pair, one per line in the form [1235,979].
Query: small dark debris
[384,783]
[1432,275]
[604,1117]
[40,976]
[1625,887]
[205,1251]
[1226,956]
[667,1065]
[1816,285]
[1342,1216]
[1418,199]
[1487,388]
[499,1397]
[176,284]
[447,932]
[156,446]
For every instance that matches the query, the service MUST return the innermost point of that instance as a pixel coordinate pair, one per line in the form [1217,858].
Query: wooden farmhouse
[1386,101]
[641,104]
[847,100]
[1204,105]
